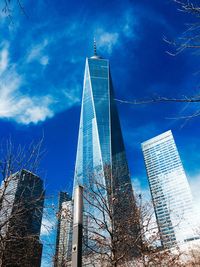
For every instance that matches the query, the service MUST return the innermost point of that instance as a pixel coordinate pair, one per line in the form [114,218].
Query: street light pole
[77,227]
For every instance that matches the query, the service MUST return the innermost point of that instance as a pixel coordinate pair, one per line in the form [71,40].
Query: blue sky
[42,61]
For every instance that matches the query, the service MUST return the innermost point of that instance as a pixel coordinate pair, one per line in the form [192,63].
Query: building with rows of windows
[21,208]
[64,230]
[170,190]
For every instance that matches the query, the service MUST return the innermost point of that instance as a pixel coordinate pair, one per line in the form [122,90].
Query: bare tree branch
[21,203]
[155,100]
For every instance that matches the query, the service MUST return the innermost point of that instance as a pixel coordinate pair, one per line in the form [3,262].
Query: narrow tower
[101,154]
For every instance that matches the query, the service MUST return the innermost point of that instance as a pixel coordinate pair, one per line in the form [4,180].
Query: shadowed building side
[20,219]
[125,209]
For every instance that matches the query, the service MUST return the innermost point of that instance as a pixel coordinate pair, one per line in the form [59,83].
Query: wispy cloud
[37,53]
[111,36]
[3,58]
[29,89]
[44,60]
[129,23]
[15,105]
[72,94]
[23,106]
[107,40]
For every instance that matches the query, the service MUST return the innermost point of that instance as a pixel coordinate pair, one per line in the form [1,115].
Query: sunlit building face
[170,190]
[100,151]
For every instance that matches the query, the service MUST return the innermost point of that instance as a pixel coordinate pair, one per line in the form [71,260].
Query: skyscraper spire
[95,47]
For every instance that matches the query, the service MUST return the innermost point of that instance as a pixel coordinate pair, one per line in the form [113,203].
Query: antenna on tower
[95,47]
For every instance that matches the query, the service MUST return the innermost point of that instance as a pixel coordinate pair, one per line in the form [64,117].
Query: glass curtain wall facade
[100,151]
[170,190]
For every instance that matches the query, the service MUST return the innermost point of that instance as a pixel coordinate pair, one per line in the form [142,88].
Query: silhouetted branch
[155,100]
[21,203]
[190,38]
[8,7]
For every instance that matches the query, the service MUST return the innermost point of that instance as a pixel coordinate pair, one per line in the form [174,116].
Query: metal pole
[77,228]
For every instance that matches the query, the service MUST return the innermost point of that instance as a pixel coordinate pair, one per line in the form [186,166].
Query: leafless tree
[8,7]
[107,243]
[102,239]
[64,234]
[21,203]
[189,39]
[112,233]
[193,256]
[109,247]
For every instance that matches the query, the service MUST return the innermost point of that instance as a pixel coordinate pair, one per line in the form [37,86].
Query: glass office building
[170,190]
[21,208]
[100,151]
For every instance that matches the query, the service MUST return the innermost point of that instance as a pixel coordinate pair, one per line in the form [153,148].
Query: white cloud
[44,60]
[14,104]
[3,59]
[24,109]
[48,225]
[34,109]
[107,40]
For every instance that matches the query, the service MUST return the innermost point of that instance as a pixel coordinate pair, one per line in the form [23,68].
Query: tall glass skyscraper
[170,190]
[100,151]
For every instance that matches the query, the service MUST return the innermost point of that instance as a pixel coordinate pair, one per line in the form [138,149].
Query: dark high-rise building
[101,153]
[64,230]
[22,198]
